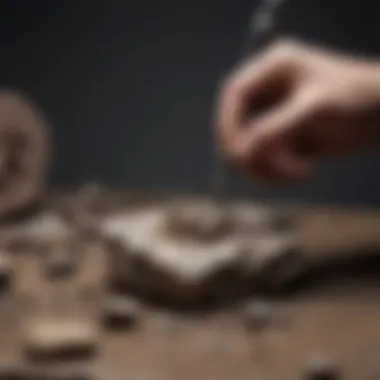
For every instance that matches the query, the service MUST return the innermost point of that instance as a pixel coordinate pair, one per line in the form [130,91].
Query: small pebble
[321,369]
[60,263]
[88,295]
[6,270]
[120,311]
[257,315]
[49,339]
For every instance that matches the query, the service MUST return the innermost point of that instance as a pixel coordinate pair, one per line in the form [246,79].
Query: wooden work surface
[338,318]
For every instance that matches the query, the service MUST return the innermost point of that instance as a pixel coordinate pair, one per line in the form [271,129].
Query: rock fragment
[321,368]
[6,270]
[60,262]
[258,315]
[120,311]
[49,339]
[36,233]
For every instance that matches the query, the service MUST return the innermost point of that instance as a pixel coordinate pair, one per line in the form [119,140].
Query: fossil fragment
[24,152]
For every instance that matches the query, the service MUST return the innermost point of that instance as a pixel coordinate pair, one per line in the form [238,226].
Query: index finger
[241,91]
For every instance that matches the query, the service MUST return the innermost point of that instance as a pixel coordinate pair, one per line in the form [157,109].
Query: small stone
[321,369]
[257,315]
[120,311]
[60,263]
[49,339]
[6,270]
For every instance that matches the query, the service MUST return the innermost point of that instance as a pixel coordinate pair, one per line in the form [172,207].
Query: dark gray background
[130,85]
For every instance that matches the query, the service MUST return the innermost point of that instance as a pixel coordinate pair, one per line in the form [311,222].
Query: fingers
[271,129]
[267,149]
[262,144]
[321,111]
[270,73]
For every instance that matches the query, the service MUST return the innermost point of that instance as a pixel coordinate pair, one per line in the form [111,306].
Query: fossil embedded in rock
[147,258]
[203,220]
[55,338]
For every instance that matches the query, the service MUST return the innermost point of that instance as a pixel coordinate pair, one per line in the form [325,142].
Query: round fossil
[24,152]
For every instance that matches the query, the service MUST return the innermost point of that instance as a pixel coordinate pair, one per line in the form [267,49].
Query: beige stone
[49,338]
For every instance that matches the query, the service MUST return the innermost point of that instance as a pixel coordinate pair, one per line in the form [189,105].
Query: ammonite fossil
[24,152]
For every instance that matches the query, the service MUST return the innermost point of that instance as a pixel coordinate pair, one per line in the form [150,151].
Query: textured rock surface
[192,254]
[196,220]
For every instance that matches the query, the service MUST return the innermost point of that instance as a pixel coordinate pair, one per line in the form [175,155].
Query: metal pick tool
[262,30]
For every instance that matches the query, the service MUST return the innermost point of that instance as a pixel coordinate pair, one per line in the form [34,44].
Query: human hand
[319,104]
